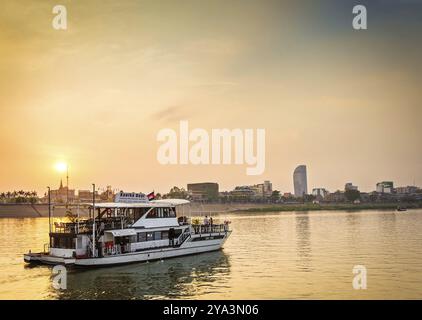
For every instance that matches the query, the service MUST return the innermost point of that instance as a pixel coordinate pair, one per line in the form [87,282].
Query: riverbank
[41,210]
[33,211]
[339,206]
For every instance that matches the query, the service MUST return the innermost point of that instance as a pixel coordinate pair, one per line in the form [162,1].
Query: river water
[289,255]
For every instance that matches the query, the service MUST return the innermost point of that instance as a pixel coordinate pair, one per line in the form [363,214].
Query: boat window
[166,212]
[150,236]
[139,212]
[63,242]
[157,235]
[164,235]
[152,214]
[142,236]
[162,213]
[172,213]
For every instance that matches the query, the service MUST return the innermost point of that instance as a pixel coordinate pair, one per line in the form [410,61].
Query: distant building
[300,181]
[206,191]
[258,190]
[337,196]
[85,196]
[268,188]
[244,193]
[107,195]
[407,190]
[254,192]
[350,186]
[385,187]
[319,193]
[62,194]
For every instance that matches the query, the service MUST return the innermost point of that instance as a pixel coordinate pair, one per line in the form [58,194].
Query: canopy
[151,204]
[172,202]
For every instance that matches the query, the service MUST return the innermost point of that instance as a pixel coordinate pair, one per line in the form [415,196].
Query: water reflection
[268,256]
[352,219]
[303,241]
[183,277]
[388,222]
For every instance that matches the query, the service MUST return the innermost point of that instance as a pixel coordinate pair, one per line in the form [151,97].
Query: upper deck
[119,215]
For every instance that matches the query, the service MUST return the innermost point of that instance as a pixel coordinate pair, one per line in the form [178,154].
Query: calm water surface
[269,256]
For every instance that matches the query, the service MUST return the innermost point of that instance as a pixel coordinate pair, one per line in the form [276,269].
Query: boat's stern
[47,258]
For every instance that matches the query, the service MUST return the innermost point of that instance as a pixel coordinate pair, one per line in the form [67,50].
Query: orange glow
[61,166]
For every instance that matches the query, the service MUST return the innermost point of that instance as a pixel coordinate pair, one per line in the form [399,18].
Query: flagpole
[93,217]
[49,215]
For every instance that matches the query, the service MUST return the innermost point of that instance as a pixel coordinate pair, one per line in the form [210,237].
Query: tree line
[20,196]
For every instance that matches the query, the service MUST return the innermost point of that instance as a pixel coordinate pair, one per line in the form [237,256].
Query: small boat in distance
[129,231]
[399,208]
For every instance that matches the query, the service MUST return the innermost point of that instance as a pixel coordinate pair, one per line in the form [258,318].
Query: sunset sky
[346,103]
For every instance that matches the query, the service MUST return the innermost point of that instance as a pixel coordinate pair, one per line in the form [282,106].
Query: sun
[61,166]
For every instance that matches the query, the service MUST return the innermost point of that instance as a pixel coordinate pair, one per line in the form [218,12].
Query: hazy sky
[346,103]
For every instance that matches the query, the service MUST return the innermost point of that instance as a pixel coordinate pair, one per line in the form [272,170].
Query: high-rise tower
[300,181]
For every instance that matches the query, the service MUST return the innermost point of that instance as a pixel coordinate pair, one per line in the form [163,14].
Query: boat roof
[173,202]
[150,204]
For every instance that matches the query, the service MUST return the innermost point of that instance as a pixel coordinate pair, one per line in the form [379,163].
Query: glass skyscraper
[300,181]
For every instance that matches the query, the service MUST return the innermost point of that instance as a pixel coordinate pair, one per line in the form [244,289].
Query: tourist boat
[129,231]
[399,208]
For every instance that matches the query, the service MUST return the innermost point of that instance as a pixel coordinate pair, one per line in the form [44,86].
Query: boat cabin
[120,228]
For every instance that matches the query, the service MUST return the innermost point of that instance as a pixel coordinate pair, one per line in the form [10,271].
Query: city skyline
[117,188]
[345,102]
[121,186]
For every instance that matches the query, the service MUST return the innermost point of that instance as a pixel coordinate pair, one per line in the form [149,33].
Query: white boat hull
[187,248]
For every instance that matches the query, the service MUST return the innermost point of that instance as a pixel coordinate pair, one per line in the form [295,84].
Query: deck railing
[85,226]
[210,228]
